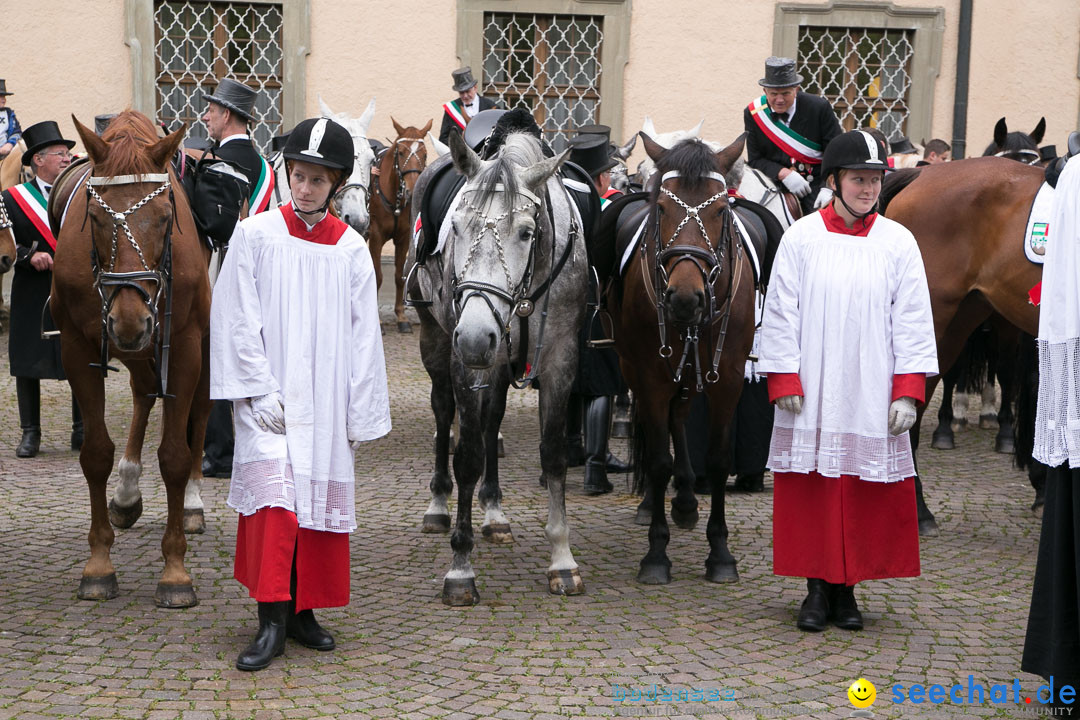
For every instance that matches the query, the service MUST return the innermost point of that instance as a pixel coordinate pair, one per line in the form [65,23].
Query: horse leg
[657,465]
[720,566]
[943,438]
[1006,371]
[401,250]
[564,578]
[126,505]
[684,506]
[194,520]
[495,528]
[988,415]
[459,584]
[928,526]
[435,353]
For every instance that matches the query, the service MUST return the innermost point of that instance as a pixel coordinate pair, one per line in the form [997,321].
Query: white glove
[790,403]
[901,415]
[796,184]
[269,412]
[354,445]
[824,197]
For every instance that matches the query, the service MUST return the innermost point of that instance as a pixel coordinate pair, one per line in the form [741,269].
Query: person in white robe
[847,340]
[295,344]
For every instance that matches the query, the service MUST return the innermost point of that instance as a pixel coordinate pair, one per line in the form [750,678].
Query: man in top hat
[228,113]
[31,357]
[787,131]
[458,113]
[10,132]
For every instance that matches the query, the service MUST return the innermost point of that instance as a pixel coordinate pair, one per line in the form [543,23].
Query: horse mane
[693,159]
[129,136]
[520,150]
[895,182]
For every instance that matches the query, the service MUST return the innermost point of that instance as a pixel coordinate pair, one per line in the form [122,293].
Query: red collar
[834,223]
[326,232]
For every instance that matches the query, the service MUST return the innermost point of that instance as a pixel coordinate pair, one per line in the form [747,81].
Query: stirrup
[411,284]
[599,313]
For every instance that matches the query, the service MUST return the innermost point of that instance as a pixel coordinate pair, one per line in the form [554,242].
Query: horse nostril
[346,218]
[491,341]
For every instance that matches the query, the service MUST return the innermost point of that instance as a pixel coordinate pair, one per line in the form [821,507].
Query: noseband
[109,282]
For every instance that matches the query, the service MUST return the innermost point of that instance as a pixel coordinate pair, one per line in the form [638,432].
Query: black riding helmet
[321,141]
[855,150]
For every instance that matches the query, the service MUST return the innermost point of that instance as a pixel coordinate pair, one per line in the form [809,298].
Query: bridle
[364,187]
[709,263]
[1033,157]
[109,283]
[402,195]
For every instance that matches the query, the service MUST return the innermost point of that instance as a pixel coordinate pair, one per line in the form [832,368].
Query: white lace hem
[878,459]
[326,505]
[1057,420]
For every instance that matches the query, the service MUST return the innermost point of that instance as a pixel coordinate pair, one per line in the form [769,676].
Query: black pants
[751,431]
[218,448]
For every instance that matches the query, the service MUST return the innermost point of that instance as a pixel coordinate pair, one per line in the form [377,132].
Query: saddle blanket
[1037,232]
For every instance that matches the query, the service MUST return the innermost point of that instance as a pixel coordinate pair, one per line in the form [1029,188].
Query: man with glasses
[31,357]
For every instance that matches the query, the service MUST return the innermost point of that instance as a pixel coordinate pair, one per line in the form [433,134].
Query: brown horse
[7,241]
[391,207]
[10,174]
[12,171]
[684,323]
[968,217]
[130,284]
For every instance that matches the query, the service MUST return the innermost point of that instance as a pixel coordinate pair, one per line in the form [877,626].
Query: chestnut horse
[7,241]
[684,323]
[130,284]
[391,207]
[968,217]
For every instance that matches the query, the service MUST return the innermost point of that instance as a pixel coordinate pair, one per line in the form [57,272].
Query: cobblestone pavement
[520,653]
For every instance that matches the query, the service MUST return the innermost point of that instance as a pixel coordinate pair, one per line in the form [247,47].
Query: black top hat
[40,136]
[3,87]
[277,142]
[235,96]
[1048,153]
[101,123]
[595,130]
[592,153]
[902,146]
[780,73]
[463,79]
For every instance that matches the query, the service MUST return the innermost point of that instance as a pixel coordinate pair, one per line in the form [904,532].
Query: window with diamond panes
[549,64]
[199,42]
[865,73]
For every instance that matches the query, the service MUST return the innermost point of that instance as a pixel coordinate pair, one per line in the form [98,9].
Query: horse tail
[895,182]
[981,359]
[1027,396]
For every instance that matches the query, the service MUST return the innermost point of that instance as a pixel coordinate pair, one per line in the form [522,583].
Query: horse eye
[525,234]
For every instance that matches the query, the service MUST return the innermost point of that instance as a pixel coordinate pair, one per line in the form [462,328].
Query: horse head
[406,158]
[351,200]
[692,225]
[493,238]
[131,213]
[1016,145]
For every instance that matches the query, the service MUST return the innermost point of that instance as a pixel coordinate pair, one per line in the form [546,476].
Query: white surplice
[299,318]
[846,313]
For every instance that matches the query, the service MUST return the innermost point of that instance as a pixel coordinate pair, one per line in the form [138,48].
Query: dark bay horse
[130,284]
[391,207]
[684,323]
[968,217]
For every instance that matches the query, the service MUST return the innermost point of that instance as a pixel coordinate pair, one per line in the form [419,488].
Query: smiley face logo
[862,693]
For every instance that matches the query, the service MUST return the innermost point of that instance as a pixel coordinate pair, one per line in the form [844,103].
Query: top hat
[1048,153]
[40,136]
[101,123]
[780,73]
[592,153]
[3,87]
[463,79]
[595,130]
[902,146]
[235,96]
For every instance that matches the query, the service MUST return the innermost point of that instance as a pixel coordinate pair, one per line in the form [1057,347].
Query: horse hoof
[942,441]
[988,421]
[644,514]
[1005,445]
[721,572]
[620,429]
[194,522]
[124,517]
[498,533]
[565,582]
[460,592]
[928,527]
[104,587]
[687,520]
[175,596]
[654,574]
[435,523]
[404,327]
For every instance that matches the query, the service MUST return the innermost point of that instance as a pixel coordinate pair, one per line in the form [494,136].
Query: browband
[129,179]
[675,173]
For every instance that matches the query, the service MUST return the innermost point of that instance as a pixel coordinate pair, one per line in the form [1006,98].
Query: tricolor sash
[260,195]
[456,113]
[784,137]
[29,198]
[607,197]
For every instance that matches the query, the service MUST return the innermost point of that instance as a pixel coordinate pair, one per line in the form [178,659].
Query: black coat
[815,120]
[243,156]
[30,356]
[449,124]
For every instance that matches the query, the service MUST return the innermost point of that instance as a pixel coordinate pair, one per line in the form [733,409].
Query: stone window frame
[296,45]
[926,23]
[614,52]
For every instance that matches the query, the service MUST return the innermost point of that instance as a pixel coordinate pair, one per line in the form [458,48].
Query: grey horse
[504,292]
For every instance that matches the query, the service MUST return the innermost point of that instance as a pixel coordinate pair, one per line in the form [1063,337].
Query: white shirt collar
[240,136]
[41,186]
[791,112]
[473,107]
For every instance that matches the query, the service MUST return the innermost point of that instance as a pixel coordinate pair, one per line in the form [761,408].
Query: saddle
[1053,170]
[62,191]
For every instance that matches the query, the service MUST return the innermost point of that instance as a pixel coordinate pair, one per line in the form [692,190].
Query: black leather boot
[269,641]
[750,482]
[814,614]
[597,422]
[76,425]
[844,611]
[306,630]
[575,451]
[28,392]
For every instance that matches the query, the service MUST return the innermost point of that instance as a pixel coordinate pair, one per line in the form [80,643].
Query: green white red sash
[260,196]
[453,109]
[608,196]
[784,137]
[29,198]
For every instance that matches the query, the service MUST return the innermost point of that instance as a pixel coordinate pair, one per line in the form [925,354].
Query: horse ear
[397,127]
[365,119]
[731,153]
[95,146]
[324,109]
[163,150]
[623,151]
[654,149]
[647,127]
[426,128]
[440,149]
[696,131]
[1001,132]
[1039,131]
[537,176]
[465,160]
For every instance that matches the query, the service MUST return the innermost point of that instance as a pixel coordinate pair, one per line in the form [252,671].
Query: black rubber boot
[269,641]
[306,630]
[814,614]
[597,422]
[28,392]
[76,425]
[844,611]
[575,451]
